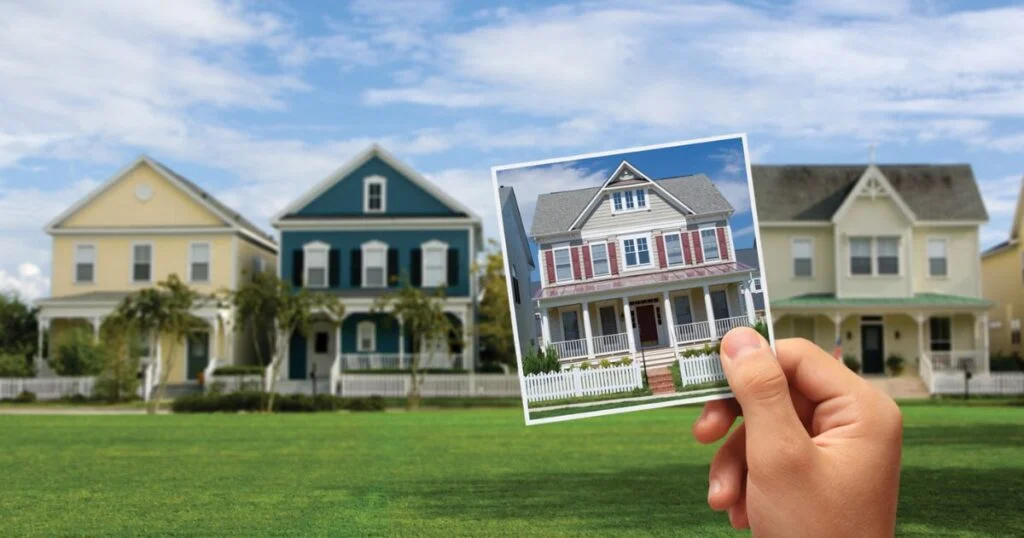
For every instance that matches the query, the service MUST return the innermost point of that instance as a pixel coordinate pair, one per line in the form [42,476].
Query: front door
[647,324]
[197,351]
[871,349]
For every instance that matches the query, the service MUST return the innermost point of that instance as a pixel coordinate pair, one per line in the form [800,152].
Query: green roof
[829,300]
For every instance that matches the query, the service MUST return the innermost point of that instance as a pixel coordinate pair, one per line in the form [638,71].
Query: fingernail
[713,488]
[740,342]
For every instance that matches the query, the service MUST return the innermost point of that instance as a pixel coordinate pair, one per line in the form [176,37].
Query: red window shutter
[687,256]
[723,246]
[587,270]
[575,262]
[698,249]
[613,258]
[549,265]
[660,241]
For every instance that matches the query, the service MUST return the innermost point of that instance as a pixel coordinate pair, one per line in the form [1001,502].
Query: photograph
[627,268]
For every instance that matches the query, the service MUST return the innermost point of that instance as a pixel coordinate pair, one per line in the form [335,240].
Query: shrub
[15,365]
[373,403]
[851,362]
[625,361]
[585,365]
[895,364]
[490,367]
[239,369]
[605,363]
[252,401]
[1000,362]
[25,397]
[77,354]
[762,328]
[539,362]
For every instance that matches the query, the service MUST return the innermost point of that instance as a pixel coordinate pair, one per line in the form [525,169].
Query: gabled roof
[1017,213]
[946,192]
[508,198]
[230,217]
[374,150]
[556,211]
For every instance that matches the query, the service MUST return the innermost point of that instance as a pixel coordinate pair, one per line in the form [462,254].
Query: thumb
[760,386]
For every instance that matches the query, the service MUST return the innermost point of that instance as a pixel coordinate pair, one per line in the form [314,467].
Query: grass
[451,472]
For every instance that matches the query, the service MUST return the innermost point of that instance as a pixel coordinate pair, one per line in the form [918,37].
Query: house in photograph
[748,256]
[879,261]
[1002,271]
[521,265]
[139,227]
[637,267]
[367,229]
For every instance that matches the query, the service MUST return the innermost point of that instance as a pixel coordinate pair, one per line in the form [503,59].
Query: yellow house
[1002,268]
[136,229]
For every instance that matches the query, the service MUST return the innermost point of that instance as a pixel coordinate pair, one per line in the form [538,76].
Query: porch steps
[904,387]
[656,358]
[660,380]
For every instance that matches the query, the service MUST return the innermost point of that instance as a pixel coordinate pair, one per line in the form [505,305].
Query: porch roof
[637,281]
[90,297]
[919,300]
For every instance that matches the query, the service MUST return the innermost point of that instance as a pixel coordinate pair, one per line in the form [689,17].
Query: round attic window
[143,192]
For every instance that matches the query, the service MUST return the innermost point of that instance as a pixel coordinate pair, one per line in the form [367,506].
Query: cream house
[1002,269]
[880,260]
[136,229]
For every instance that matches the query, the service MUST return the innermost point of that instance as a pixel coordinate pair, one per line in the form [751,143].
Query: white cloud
[531,182]
[736,192]
[28,282]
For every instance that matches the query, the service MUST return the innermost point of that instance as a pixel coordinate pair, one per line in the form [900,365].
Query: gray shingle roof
[556,211]
[815,192]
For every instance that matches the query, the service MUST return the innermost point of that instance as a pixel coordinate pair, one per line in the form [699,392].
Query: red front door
[647,325]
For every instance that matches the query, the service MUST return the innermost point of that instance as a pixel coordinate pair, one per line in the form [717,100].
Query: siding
[962,251]
[659,211]
[1002,285]
[778,262]
[872,218]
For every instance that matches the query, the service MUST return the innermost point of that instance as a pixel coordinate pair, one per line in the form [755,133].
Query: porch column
[629,324]
[97,321]
[401,340]
[545,327]
[229,343]
[337,345]
[467,341]
[837,319]
[919,318]
[42,328]
[983,318]
[748,300]
[214,339]
[670,320]
[588,334]
[710,313]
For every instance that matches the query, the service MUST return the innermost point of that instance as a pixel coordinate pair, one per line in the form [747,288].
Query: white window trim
[209,262]
[607,259]
[928,258]
[792,258]
[360,327]
[554,263]
[371,246]
[74,263]
[375,180]
[899,255]
[756,286]
[316,246]
[703,247]
[849,256]
[650,252]
[434,245]
[131,272]
[636,206]
[682,249]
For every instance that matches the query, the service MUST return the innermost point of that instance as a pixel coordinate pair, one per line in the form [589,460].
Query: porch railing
[396,361]
[955,359]
[693,332]
[723,326]
[570,349]
[610,343]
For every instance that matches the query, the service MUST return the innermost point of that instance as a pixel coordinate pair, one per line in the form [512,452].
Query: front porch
[660,322]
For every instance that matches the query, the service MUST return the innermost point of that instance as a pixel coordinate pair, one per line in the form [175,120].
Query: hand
[818,452]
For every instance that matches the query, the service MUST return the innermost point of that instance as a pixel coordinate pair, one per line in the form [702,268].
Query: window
[435,263]
[85,263]
[199,262]
[259,264]
[316,264]
[599,258]
[366,336]
[630,200]
[638,253]
[374,193]
[940,334]
[563,264]
[682,310]
[142,262]
[803,257]
[515,285]
[719,304]
[860,256]
[320,342]
[1015,332]
[709,242]
[755,285]
[375,265]
[673,249]
[570,325]
[888,255]
[937,265]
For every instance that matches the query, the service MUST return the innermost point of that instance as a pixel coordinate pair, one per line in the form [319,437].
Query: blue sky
[257,101]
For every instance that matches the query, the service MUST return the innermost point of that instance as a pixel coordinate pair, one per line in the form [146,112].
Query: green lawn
[451,472]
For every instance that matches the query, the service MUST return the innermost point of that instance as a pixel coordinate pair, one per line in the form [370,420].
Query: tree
[495,325]
[14,364]
[271,312]
[164,310]
[77,353]
[18,327]
[424,319]
[118,378]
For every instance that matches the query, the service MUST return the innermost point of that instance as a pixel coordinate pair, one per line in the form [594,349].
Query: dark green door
[198,353]
[872,349]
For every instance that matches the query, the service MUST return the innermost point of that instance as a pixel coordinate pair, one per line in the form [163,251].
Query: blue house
[369,228]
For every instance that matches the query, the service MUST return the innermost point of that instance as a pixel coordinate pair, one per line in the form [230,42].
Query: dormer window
[629,200]
[374,194]
[316,255]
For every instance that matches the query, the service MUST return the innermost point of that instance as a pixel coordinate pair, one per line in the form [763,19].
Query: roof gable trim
[626,168]
[873,184]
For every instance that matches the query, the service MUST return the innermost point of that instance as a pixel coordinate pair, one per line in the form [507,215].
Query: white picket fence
[995,383]
[576,382]
[703,368]
[47,388]
[433,386]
